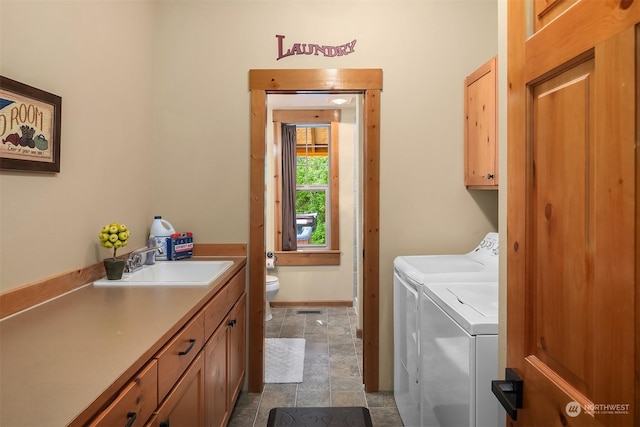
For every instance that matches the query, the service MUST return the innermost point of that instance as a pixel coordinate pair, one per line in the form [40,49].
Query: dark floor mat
[320,417]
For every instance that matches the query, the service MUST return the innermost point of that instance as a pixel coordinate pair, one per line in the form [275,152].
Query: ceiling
[311,101]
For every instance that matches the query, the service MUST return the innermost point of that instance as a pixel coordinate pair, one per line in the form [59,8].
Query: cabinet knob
[232,322]
[489,176]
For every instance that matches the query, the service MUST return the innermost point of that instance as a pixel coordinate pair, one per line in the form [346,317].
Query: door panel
[572,209]
[560,228]
[547,10]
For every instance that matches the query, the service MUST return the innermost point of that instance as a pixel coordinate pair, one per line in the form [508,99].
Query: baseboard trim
[311,304]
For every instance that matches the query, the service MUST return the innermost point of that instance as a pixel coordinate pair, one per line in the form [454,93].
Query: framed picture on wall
[30,121]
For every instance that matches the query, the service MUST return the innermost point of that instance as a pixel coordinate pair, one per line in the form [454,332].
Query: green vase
[114,268]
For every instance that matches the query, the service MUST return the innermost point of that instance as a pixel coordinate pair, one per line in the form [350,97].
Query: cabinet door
[481,147]
[184,406]
[237,354]
[216,378]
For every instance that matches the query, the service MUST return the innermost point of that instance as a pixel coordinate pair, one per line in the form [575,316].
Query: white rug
[284,360]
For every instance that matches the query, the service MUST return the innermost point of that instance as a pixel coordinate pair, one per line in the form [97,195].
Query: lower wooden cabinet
[184,406]
[225,355]
[192,381]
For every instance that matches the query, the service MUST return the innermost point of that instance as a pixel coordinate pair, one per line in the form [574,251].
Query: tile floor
[332,369]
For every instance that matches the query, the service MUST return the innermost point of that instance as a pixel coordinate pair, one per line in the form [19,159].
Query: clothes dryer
[411,274]
[459,358]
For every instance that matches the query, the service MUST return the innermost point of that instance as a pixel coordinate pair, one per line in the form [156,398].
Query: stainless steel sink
[172,273]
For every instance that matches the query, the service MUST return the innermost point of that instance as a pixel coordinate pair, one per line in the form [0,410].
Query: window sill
[308,257]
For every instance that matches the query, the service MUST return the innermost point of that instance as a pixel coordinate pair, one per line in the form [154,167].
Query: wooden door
[572,211]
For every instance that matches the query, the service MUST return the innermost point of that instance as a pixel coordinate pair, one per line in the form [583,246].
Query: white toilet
[273,286]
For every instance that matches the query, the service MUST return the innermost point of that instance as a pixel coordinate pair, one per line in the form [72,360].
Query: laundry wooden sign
[314,49]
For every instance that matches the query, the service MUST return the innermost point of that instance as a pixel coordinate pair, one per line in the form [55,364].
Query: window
[317,221]
[312,185]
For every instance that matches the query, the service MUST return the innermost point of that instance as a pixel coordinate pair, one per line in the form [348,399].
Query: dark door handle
[509,392]
[489,176]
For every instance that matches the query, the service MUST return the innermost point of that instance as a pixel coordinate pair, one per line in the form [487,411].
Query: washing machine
[411,274]
[459,357]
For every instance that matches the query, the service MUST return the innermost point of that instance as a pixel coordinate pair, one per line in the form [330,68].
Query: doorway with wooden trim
[368,82]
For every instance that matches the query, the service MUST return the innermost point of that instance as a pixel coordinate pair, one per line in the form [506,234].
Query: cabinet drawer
[236,288]
[176,356]
[220,305]
[135,404]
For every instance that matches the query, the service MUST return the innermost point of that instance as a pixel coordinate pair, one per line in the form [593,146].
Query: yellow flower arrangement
[114,236]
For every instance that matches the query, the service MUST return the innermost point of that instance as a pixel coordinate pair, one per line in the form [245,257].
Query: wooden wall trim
[31,294]
[307,258]
[371,242]
[333,79]
[368,82]
[516,185]
[306,116]
[311,303]
[257,244]
[637,227]
[219,249]
[335,186]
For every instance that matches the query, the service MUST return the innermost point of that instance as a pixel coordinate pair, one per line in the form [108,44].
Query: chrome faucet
[136,261]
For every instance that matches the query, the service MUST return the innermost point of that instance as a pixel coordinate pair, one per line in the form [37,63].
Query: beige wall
[162,89]
[98,56]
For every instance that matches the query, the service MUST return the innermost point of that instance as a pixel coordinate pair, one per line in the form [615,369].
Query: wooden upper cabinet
[480,134]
